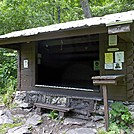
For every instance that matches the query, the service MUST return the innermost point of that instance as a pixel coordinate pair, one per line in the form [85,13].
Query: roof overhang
[95,25]
[55,34]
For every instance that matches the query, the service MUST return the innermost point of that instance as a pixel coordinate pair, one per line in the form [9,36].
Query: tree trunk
[86,8]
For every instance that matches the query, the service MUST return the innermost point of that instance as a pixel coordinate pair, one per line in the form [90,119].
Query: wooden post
[105,97]
[104,81]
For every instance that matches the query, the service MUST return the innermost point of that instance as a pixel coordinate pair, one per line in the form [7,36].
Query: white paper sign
[118,66]
[112,40]
[25,62]
[119,57]
[109,66]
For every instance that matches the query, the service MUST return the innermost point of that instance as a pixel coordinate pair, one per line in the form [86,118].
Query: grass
[4,127]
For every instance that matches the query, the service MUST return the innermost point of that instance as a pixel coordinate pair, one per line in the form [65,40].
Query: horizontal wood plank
[53,107]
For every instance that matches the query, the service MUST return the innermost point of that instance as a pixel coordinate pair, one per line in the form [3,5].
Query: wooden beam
[132,36]
[87,47]
[14,47]
[19,70]
[74,40]
[106,110]
[56,35]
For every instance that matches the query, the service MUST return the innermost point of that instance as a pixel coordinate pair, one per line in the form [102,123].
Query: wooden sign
[119,29]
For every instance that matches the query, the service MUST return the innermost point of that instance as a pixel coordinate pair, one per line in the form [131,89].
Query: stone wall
[80,106]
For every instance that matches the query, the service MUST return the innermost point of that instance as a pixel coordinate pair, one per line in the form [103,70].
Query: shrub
[120,118]
[9,96]
[53,114]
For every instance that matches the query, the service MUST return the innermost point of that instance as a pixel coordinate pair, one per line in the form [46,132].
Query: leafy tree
[22,14]
[103,7]
[8,70]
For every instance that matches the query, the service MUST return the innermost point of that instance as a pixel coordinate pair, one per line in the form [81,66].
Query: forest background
[23,14]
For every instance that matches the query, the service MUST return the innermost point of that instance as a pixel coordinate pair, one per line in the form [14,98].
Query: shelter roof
[111,19]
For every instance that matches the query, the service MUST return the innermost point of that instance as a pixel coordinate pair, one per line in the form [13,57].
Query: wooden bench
[60,109]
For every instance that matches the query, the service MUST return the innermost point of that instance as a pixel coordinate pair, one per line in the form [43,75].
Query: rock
[1,112]
[17,110]
[131,107]
[122,132]
[19,130]
[100,111]
[19,116]
[28,110]
[82,131]
[45,114]
[33,120]
[20,97]
[74,121]
[5,119]
[90,124]
[62,101]
[2,106]
[132,115]
[98,118]
[8,113]
[12,130]
[25,105]
[99,125]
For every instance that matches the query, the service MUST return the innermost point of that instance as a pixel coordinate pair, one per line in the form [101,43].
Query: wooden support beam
[105,98]
[72,40]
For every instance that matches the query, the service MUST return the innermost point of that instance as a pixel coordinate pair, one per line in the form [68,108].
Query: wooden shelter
[62,58]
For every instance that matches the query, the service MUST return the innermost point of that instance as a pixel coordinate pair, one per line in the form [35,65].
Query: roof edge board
[55,35]
[119,23]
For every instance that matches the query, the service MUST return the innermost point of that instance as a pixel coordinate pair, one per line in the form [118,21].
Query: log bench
[60,109]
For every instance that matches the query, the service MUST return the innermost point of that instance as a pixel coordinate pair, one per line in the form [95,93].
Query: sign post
[104,81]
[106,111]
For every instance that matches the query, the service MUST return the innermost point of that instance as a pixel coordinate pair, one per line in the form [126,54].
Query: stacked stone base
[81,107]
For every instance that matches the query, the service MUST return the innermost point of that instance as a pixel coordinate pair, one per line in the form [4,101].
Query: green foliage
[16,122]
[120,117]
[5,127]
[17,15]
[111,6]
[23,14]
[8,70]
[114,128]
[8,97]
[120,120]
[53,114]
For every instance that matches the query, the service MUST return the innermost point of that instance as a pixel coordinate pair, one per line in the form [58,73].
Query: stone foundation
[80,106]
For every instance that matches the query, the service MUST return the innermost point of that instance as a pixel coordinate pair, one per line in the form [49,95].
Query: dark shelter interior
[68,62]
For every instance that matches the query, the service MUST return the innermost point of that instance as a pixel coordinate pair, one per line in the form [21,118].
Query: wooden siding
[119,92]
[130,69]
[28,78]
[28,74]
[18,71]
[115,92]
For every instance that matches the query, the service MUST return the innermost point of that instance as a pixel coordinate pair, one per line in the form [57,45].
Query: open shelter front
[68,62]
[62,58]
